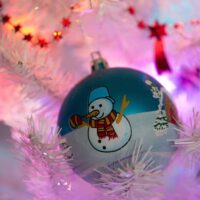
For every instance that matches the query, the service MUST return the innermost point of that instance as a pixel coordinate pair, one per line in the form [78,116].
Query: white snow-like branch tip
[132,178]
[45,163]
[190,134]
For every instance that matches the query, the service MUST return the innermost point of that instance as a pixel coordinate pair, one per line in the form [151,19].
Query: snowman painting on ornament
[108,130]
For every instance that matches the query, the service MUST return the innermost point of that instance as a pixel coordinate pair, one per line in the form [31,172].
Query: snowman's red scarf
[104,126]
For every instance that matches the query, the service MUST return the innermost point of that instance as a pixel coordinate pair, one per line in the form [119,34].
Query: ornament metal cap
[98,62]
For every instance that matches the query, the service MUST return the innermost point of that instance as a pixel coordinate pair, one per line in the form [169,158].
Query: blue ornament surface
[106,112]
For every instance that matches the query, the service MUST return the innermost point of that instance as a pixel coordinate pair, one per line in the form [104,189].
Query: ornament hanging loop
[98,62]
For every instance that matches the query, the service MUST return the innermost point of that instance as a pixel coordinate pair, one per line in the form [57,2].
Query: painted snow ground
[85,157]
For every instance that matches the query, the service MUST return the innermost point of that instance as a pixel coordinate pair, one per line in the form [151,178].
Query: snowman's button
[99,141]
[104,147]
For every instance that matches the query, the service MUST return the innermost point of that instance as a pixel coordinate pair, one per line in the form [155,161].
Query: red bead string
[57,35]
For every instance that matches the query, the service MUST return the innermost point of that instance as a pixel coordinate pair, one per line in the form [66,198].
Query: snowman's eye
[92,107]
[100,105]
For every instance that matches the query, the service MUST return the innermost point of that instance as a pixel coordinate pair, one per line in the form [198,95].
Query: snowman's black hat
[98,93]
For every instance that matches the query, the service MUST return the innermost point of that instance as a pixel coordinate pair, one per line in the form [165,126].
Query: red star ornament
[158,30]
[42,43]
[28,37]
[66,22]
[5,19]
[17,28]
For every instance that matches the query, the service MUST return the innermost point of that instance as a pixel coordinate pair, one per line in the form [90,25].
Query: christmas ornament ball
[108,111]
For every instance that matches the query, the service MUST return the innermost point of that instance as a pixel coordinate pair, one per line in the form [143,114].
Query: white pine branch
[45,162]
[131,179]
[190,136]
[36,73]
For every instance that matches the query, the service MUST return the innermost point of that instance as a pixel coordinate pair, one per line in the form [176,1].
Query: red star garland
[158,31]
[35,40]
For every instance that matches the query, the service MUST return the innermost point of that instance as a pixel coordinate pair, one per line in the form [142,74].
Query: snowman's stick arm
[125,103]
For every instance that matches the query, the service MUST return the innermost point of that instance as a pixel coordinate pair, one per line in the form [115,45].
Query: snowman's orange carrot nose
[93,113]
